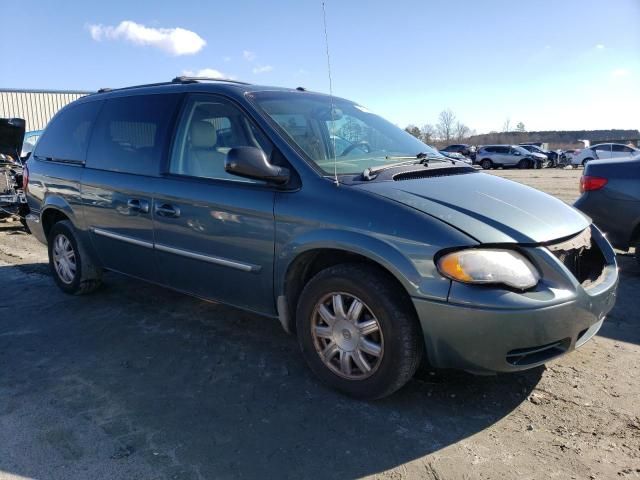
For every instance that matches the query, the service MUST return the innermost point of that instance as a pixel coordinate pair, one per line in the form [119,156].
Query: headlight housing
[489,266]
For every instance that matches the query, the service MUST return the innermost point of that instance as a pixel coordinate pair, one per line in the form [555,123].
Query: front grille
[582,257]
[433,172]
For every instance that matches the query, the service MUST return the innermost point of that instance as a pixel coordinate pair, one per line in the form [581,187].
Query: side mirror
[252,162]
[516,153]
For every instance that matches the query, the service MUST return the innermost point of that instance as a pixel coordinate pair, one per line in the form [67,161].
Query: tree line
[449,129]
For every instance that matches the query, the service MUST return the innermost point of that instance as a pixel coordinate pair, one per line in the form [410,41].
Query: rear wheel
[356,332]
[486,164]
[72,269]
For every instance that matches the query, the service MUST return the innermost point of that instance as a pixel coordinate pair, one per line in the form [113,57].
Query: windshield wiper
[420,159]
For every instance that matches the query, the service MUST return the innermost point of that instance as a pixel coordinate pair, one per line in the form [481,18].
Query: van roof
[189,84]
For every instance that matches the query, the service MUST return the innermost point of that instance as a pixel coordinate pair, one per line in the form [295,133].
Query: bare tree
[461,131]
[520,127]
[428,133]
[446,125]
[506,126]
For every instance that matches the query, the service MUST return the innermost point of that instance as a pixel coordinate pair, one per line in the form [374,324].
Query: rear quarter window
[67,135]
[131,133]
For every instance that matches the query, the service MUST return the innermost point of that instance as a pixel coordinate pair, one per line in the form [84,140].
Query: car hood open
[11,136]
[488,208]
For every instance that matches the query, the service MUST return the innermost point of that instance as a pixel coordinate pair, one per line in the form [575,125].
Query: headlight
[489,266]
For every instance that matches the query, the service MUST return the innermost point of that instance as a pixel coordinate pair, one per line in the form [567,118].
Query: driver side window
[209,128]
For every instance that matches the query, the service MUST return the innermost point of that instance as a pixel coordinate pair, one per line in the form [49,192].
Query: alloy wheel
[347,336]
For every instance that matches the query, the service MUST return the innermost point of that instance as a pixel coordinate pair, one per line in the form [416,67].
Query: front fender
[409,261]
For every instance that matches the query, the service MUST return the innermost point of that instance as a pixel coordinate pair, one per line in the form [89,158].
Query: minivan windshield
[323,127]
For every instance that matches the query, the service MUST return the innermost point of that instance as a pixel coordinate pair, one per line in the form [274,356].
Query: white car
[603,151]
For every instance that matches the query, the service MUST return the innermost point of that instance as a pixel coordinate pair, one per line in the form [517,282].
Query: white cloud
[248,55]
[206,72]
[263,69]
[600,46]
[175,41]
[620,72]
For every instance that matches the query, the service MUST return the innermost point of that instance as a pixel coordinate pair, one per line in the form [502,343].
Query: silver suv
[492,156]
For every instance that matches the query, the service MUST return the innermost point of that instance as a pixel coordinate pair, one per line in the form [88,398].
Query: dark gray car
[611,197]
[374,254]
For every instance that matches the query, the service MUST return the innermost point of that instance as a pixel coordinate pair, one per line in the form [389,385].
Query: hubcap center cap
[345,335]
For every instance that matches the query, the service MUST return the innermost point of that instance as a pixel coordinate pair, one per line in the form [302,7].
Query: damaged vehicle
[12,199]
[378,254]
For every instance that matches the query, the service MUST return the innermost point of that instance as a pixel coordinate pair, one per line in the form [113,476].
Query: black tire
[403,340]
[522,164]
[88,276]
[486,164]
[637,254]
[23,221]
[586,160]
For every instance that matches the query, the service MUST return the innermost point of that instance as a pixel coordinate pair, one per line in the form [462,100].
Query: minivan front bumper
[512,331]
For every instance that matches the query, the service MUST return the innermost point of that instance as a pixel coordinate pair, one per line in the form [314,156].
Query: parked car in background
[462,148]
[551,157]
[494,156]
[12,199]
[30,140]
[373,257]
[457,156]
[611,197]
[566,156]
[603,151]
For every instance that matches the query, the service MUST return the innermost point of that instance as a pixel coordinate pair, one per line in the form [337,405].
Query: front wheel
[486,164]
[356,332]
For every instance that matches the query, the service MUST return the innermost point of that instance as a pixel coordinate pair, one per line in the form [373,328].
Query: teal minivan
[370,246]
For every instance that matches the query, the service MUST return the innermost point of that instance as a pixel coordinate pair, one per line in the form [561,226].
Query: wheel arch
[307,260]
[50,216]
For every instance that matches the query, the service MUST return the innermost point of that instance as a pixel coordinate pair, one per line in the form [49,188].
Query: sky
[551,64]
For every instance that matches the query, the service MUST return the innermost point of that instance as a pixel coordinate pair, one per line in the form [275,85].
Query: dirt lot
[138,382]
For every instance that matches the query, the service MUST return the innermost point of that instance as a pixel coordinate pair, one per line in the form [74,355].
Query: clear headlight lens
[507,267]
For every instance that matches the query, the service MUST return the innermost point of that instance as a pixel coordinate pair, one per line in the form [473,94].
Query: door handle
[166,210]
[136,205]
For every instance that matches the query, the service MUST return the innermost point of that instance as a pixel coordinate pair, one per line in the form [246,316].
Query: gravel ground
[138,382]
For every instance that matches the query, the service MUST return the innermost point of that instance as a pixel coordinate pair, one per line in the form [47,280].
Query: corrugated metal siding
[36,107]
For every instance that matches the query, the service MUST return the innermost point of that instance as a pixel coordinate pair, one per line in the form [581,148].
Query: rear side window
[502,149]
[67,135]
[621,148]
[131,133]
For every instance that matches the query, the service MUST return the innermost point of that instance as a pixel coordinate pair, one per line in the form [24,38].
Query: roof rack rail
[181,79]
[186,79]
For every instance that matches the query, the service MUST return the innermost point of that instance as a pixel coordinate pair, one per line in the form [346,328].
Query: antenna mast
[326,43]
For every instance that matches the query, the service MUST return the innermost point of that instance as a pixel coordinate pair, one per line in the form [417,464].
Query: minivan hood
[488,208]
[11,136]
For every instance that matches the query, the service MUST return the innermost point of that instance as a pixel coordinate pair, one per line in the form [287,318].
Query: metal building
[35,106]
